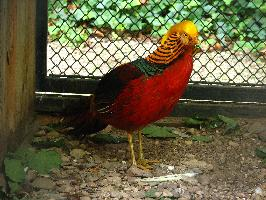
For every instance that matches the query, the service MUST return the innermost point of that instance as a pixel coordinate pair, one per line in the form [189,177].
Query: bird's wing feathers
[112,84]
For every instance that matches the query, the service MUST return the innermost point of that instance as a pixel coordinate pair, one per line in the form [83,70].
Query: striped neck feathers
[161,58]
[167,52]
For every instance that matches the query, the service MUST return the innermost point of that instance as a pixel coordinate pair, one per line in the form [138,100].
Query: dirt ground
[224,168]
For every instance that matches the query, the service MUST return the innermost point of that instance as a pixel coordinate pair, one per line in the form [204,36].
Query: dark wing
[112,84]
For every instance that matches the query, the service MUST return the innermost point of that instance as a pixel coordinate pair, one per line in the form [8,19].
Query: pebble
[233,144]
[116,194]
[188,142]
[262,136]
[40,133]
[158,194]
[167,193]
[171,168]
[139,194]
[77,153]
[43,183]
[85,198]
[110,165]
[31,175]
[65,158]
[204,180]
[115,180]
[176,192]
[93,177]
[257,127]
[135,171]
[65,188]
[194,163]
[53,134]
[74,143]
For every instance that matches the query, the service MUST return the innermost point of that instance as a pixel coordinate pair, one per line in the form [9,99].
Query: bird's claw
[146,164]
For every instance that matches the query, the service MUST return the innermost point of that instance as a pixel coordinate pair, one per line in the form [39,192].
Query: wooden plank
[195,92]
[226,93]
[41,43]
[64,104]
[210,109]
[17,67]
[69,85]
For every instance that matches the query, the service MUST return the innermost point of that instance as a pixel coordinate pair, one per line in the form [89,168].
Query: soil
[226,167]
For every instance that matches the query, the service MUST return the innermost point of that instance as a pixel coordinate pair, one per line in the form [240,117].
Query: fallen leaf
[45,160]
[153,131]
[261,152]
[150,193]
[193,122]
[230,124]
[201,138]
[14,170]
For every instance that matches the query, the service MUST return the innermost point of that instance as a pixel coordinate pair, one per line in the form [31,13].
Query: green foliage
[193,122]
[261,152]
[14,170]
[241,21]
[153,131]
[16,163]
[229,125]
[44,160]
[201,138]
[150,193]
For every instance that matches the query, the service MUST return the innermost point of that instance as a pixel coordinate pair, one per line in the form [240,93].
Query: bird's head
[187,31]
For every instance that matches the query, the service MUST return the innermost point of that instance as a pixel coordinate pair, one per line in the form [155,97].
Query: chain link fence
[87,38]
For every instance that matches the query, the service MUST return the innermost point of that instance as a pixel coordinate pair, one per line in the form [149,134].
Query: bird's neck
[168,52]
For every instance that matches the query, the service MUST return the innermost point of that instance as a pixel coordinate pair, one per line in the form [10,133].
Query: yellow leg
[143,163]
[129,134]
[141,157]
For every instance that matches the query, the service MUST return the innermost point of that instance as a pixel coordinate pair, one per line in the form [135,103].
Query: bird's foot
[146,164]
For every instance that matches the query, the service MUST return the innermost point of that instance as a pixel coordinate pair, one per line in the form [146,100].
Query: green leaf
[192,122]
[211,41]
[14,186]
[104,4]
[14,170]
[91,14]
[261,152]
[151,193]
[227,2]
[230,124]
[133,3]
[78,14]
[23,154]
[153,131]
[106,138]
[99,21]
[201,138]
[43,161]
[158,21]
[193,3]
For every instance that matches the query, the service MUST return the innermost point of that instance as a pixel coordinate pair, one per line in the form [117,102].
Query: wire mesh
[87,38]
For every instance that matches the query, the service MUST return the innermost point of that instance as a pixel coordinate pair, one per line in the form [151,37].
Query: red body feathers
[145,100]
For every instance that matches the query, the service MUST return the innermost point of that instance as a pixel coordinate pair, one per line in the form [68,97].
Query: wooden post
[17,71]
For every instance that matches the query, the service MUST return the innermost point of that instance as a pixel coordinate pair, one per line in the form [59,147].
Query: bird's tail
[85,122]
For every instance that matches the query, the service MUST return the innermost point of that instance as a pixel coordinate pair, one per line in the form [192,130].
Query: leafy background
[238,24]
